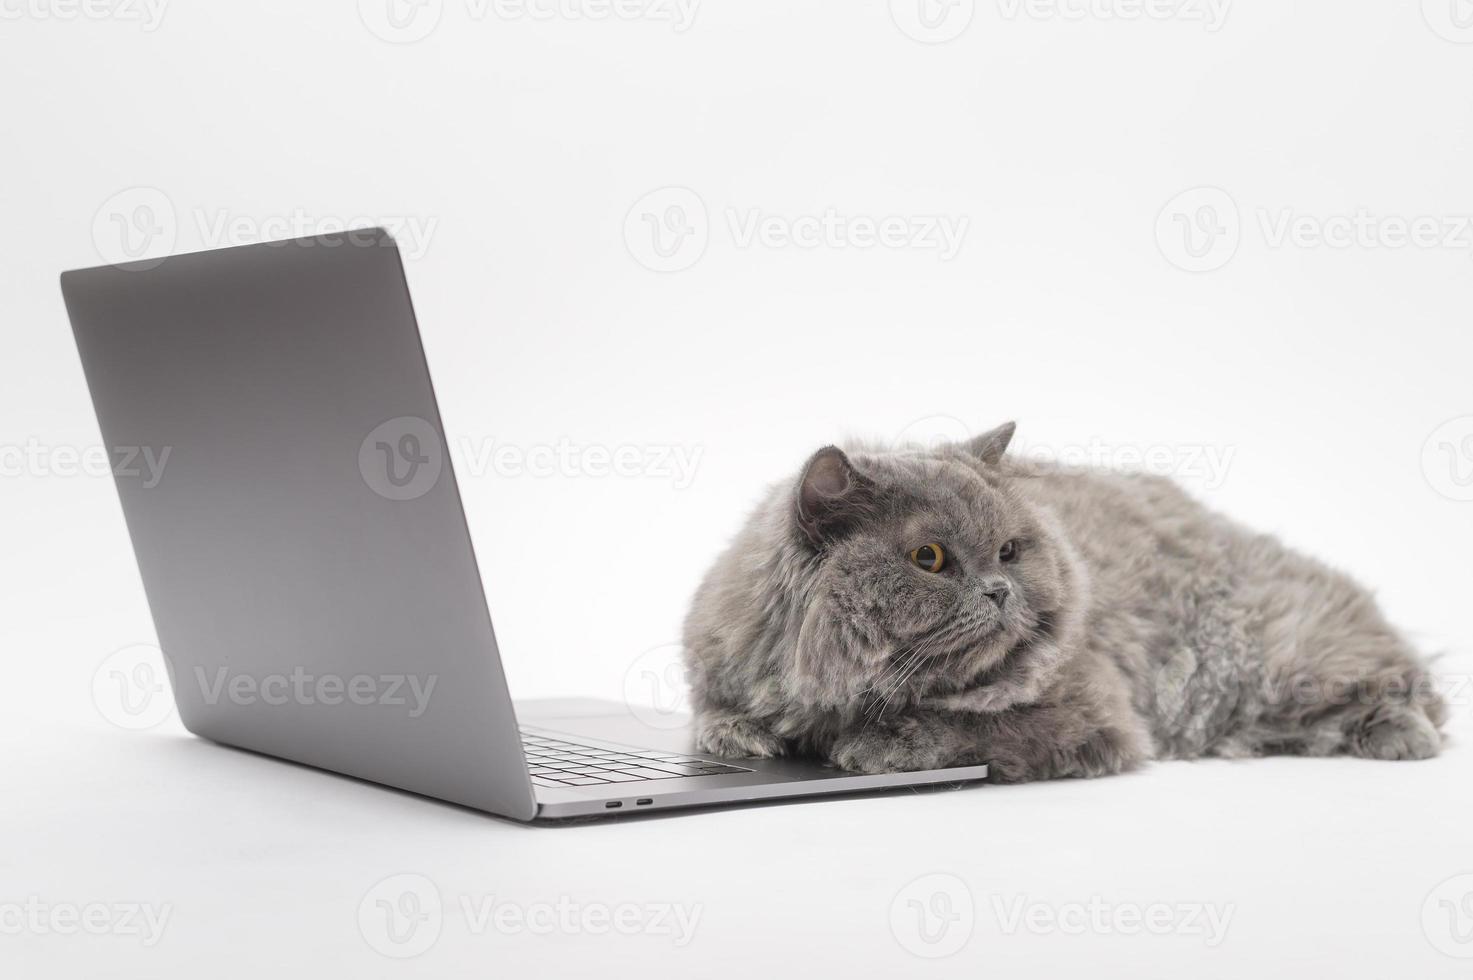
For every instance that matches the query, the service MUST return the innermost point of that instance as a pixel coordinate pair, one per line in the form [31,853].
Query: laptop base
[615,726]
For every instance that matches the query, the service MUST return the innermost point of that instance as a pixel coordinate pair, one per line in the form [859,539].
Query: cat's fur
[1133,623]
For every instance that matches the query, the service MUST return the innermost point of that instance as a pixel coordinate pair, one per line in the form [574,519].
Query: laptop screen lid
[299,531]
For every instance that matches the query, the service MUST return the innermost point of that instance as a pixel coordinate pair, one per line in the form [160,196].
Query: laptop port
[613,805]
[644,802]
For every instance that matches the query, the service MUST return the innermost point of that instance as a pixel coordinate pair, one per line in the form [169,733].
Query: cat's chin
[955,672]
[1012,672]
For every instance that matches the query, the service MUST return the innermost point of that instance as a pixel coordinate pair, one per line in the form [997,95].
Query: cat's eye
[1008,552]
[929,557]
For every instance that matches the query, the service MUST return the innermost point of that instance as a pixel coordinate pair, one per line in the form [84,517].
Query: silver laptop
[306,557]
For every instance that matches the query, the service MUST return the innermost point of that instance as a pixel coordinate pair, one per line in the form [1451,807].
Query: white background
[1308,383]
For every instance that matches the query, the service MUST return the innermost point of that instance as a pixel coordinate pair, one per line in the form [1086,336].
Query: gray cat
[918,608]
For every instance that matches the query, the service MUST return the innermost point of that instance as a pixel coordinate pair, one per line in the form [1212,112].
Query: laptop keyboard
[557,761]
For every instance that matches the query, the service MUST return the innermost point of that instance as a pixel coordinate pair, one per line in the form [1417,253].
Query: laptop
[306,558]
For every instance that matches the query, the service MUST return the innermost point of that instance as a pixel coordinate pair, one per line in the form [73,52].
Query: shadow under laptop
[297,785]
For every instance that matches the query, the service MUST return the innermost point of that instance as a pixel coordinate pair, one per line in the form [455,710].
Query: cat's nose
[997,589]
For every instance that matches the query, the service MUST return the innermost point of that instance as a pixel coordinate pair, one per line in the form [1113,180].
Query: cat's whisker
[884,702]
[902,662]
[899,661]
[907,668]
[890,670]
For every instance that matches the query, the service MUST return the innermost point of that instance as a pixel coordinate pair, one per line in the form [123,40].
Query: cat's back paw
[740,736]
[1396,732]
[1109,753]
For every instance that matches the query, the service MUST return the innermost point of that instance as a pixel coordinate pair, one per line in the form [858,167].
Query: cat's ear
[831,496]
[990,446]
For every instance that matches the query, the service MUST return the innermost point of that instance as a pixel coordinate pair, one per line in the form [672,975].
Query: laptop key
[676,769]
[644,773]
[563,763]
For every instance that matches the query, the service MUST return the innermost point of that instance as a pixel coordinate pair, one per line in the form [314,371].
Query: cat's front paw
[735,735]
[907,745]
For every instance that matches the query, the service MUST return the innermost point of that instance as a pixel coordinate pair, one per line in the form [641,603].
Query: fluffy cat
[913,609]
